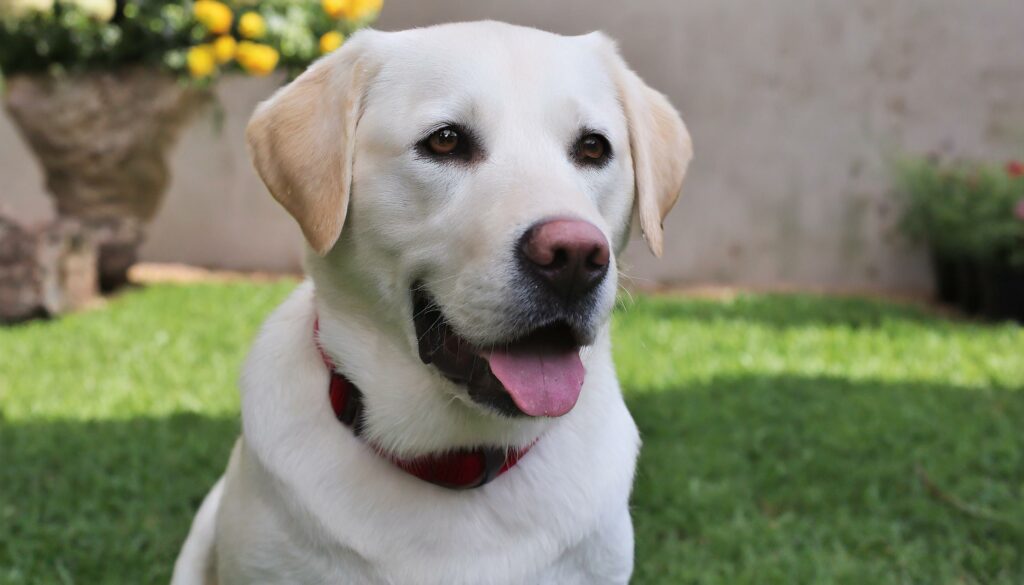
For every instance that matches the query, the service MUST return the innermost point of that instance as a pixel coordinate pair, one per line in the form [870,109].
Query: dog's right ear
[302,139]
[660,144]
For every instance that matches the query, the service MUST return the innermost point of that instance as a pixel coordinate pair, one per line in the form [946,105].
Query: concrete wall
[794,107]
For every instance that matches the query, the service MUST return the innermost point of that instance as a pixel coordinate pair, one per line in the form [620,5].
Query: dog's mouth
[536,374]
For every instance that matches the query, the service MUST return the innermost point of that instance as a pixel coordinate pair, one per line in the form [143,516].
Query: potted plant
[971,217]
[100,90]
[1003,274]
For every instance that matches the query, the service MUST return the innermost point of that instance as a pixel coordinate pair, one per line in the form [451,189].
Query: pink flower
[1015,169]
[1018,210]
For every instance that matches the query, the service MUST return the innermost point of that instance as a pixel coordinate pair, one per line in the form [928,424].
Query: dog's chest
[601,558]
[506,538]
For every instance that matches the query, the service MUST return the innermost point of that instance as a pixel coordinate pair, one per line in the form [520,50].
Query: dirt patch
[147,273]
[725,293]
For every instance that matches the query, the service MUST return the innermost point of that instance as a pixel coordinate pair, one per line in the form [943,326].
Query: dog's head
[485,176]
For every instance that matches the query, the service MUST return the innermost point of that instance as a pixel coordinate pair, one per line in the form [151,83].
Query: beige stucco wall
[793,105]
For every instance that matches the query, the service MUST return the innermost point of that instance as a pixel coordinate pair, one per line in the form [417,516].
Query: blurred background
[827,365]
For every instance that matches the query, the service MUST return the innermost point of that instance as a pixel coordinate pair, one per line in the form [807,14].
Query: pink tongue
[542,382]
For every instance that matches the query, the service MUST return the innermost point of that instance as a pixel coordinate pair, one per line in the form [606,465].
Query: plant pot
[969,286]
[944,274]
[1003,292]
[102,140]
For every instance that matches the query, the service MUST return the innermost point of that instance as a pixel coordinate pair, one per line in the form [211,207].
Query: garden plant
[971,217]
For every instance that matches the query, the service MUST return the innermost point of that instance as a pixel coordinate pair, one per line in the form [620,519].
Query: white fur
[305,501]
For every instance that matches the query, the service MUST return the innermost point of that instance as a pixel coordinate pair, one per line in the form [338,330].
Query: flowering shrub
[966,210]
[196,38]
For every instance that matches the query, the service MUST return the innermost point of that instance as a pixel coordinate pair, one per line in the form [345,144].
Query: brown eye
[450,144]
[444,141]
[592,149]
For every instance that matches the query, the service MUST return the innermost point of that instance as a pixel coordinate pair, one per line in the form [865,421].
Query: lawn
[788,439]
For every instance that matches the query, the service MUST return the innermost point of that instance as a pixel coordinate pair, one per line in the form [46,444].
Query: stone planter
[1003,288]
[102,140]
[993,289]
[45,271]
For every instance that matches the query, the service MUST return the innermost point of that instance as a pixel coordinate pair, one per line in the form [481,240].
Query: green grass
[786,438]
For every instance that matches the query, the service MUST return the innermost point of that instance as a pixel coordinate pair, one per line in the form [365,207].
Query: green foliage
[69,38]
[72,36]
[963,210]
[785,438]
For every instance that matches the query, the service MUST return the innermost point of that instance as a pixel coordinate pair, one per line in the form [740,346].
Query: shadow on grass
[791,310]
[742,480]
[793,479]
[104,501]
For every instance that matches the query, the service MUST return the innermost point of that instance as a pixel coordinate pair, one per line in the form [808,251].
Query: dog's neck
[410,409]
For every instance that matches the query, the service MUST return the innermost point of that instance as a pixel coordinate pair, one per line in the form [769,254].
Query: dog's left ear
[660,144]
[302,142]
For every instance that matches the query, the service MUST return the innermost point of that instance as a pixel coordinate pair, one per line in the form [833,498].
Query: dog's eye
[592,150]
[443,142]
[451,143]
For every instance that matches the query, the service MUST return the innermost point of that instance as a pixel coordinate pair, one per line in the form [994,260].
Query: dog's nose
[570,254]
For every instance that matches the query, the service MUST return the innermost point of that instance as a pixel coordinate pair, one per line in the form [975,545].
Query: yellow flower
[202,61]
[352,9]
[331,41]
[255,58]
[215,16]
[335,8]
[361,9]
[224,48]
[252,26]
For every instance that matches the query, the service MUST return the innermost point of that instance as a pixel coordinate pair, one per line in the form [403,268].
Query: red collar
[461,469]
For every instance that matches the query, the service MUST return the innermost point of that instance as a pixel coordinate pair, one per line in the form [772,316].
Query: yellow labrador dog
[437,404]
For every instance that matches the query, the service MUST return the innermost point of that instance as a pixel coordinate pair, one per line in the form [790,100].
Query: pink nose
[569,254]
